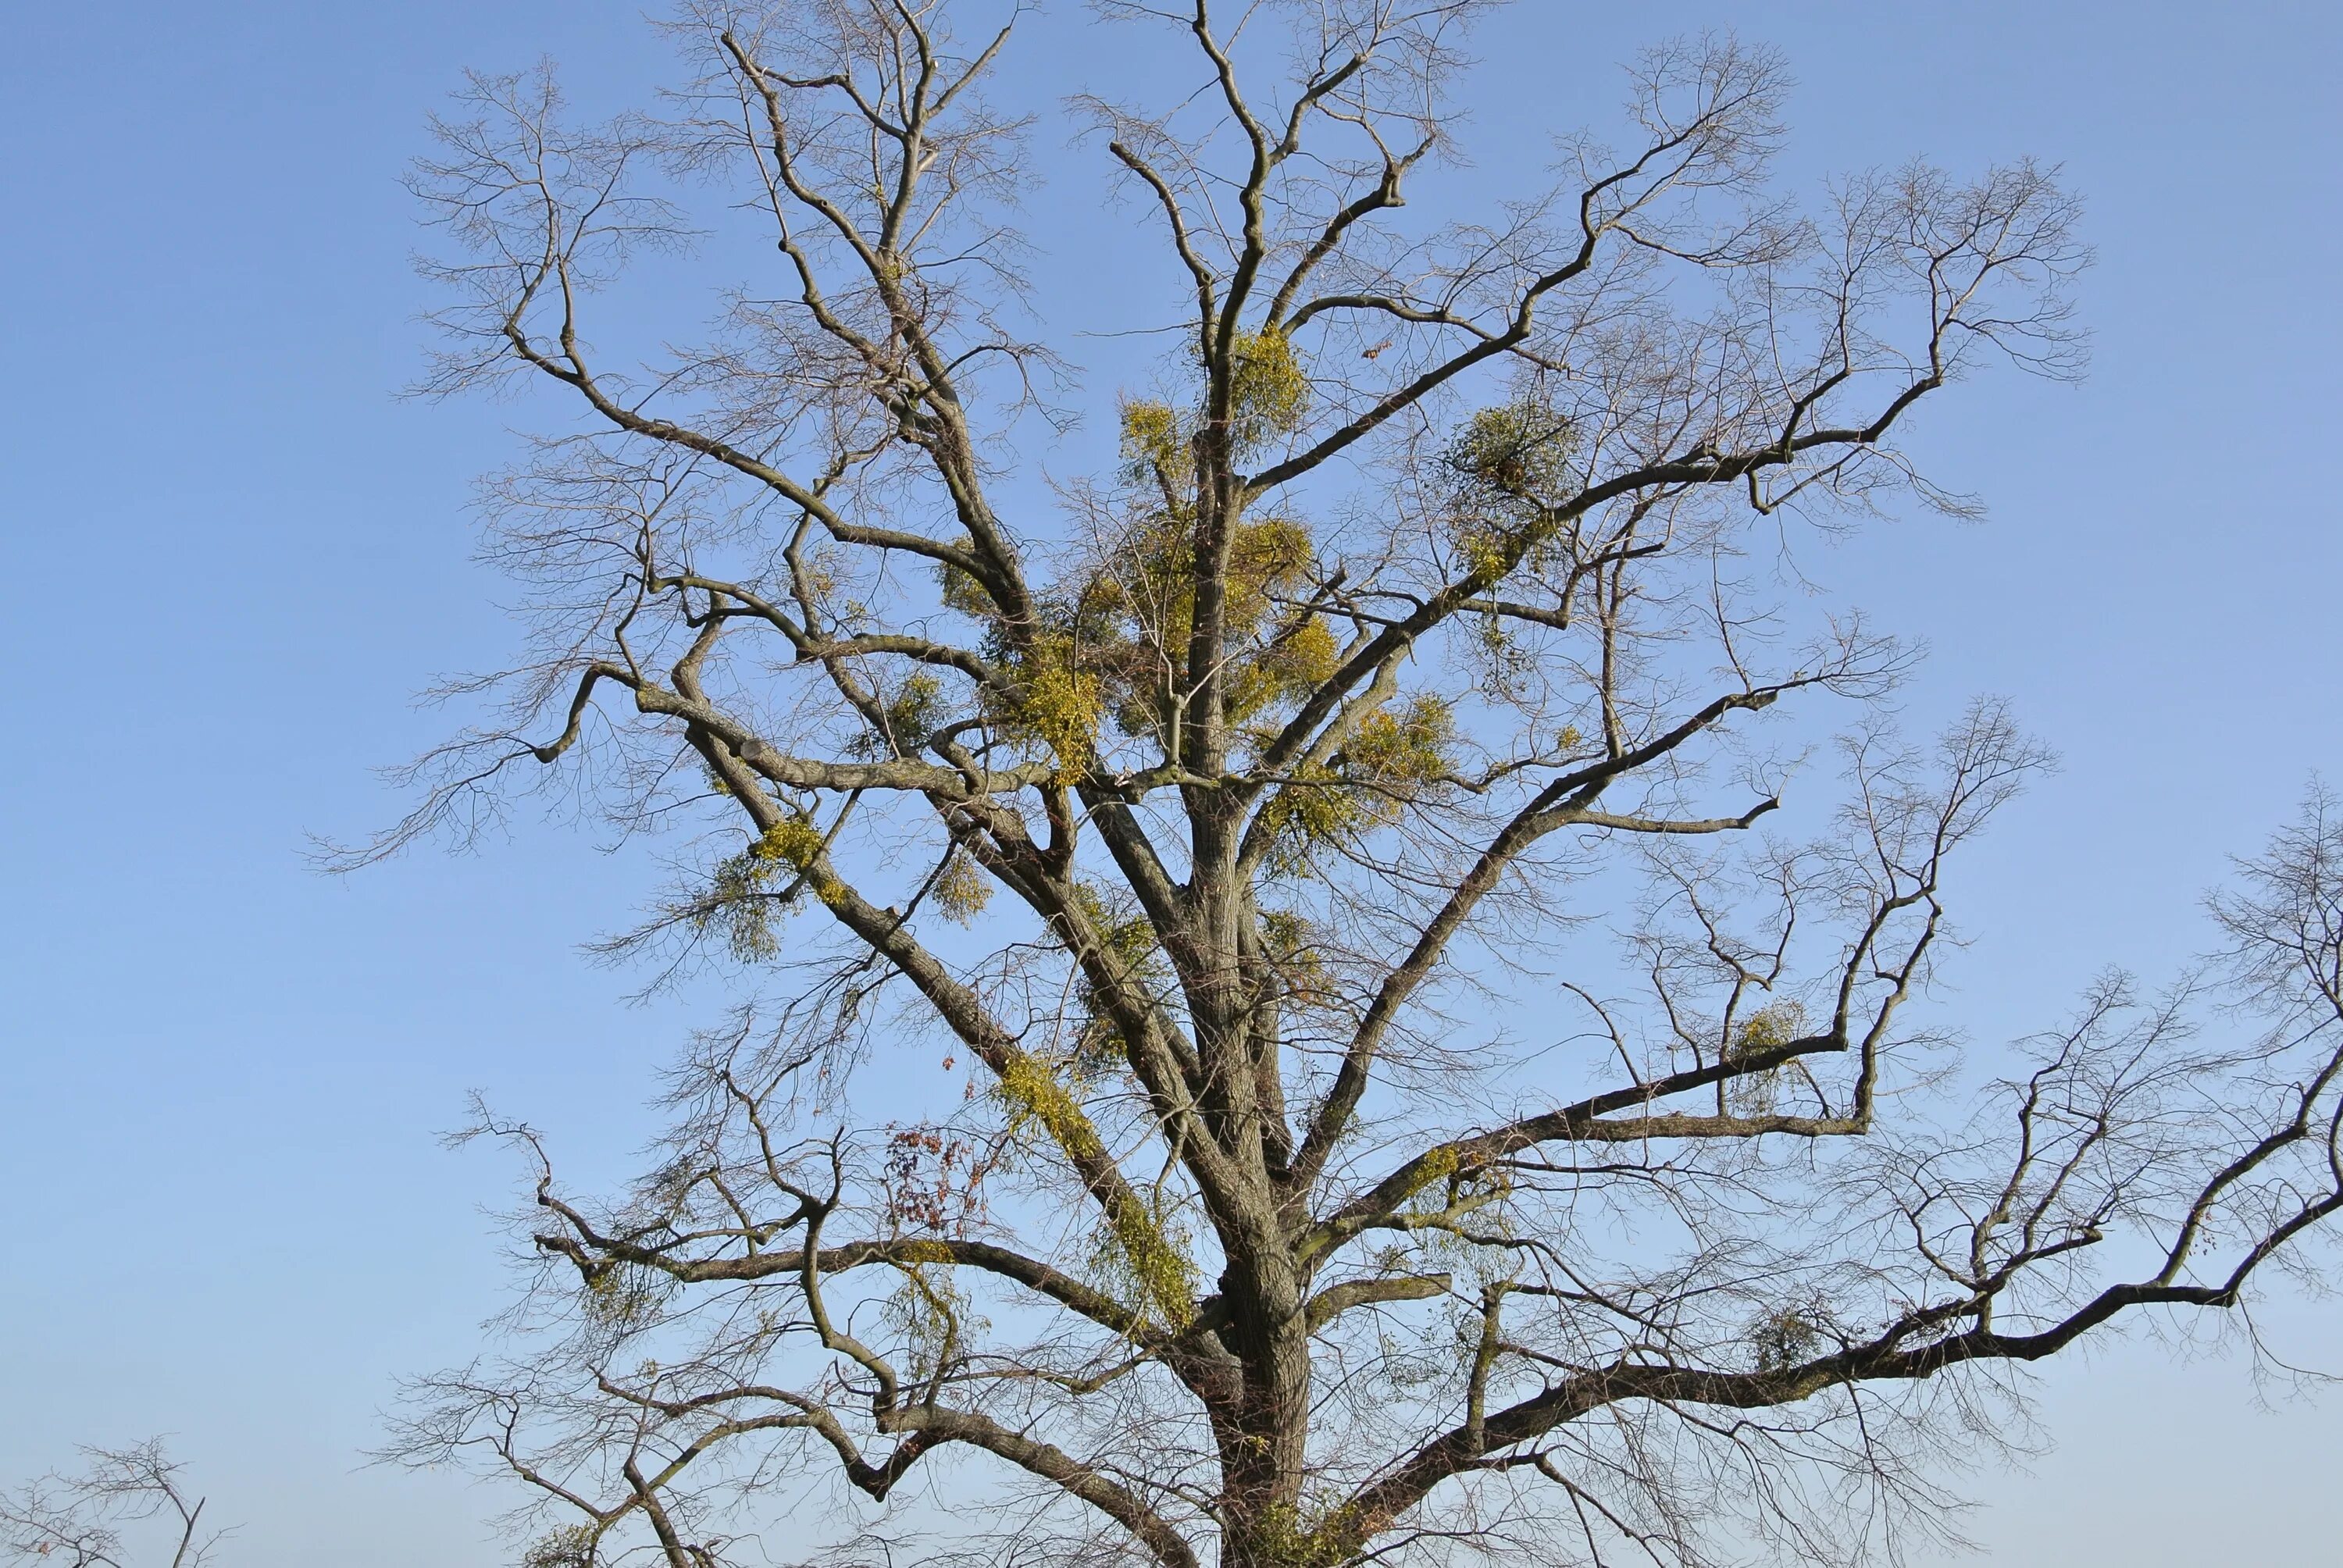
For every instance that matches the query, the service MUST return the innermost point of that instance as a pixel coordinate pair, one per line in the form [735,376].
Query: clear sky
[234,556]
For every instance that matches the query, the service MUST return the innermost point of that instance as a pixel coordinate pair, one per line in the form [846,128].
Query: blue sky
[237,555]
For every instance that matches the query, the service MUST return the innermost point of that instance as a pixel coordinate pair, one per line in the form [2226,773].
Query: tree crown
[1231,819]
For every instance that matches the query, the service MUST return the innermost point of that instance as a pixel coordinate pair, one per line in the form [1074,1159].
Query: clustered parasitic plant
[1255,829]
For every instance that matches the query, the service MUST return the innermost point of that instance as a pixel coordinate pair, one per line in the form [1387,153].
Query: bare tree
[76,1520]
[1395,1099]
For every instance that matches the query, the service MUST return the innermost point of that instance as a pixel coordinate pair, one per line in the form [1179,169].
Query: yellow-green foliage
[1268,391]
[961,888]
[1129,936]
[1392,755]
[1299,1537]
[1431,1185]
[1290,942]
[622,1296]
[1136,1260]
[1519,450]
[571,1546]
[1139,608]
[1138,612]
[1266,559]
[795,843]
[926,1312]
[1316,807]
[1117,646]
[1269,395]
[1059,703]
[907,717]
[1130,943]
[1295,666]
[1436,1166]
[1770,1027]
[1511,463]
[921,1250]
[960,591]
[1134,1247]
[1783,1339]
[1033,1093]
[1155,446]
[750,888]
[1403,748]
[1266,555]
[739,910]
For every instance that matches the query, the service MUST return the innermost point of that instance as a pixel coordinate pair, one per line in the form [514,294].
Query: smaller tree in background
[79,1520]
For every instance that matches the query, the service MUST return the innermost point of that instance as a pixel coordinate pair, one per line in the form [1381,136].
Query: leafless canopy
[77,1521]
[1395,1099]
